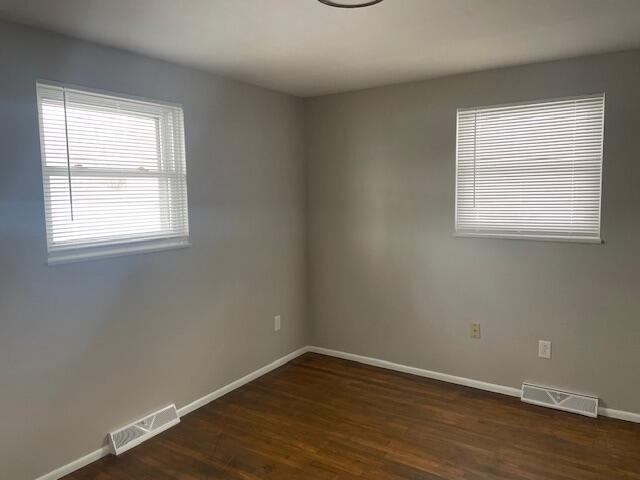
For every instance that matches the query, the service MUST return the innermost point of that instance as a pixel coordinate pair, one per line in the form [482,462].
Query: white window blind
[531,170]
[114,174]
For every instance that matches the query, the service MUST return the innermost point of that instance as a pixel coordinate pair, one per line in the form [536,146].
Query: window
[113,172]
[531,170]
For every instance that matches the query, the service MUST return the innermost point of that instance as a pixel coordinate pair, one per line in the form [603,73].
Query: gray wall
[89,346]
[388,280]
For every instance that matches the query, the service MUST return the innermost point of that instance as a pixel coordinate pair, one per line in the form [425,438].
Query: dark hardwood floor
[323,418]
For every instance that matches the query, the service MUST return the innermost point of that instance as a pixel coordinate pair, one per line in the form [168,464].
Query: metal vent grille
[566,401]
[137,432]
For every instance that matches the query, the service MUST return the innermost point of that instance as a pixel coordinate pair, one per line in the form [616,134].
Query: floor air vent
[141,430]
[569,402]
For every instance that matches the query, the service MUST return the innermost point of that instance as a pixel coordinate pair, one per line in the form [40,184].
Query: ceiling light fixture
[348,4]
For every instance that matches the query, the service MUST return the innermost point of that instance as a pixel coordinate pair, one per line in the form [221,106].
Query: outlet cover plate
[475,330]
[544,348]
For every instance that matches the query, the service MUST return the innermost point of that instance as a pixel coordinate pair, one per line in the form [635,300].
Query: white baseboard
[619,414]
[240,382]
[106,450]
[468,382]
[376,362]
[77,464]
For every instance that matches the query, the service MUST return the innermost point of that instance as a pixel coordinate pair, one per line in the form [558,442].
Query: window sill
[119,250]
[539,238]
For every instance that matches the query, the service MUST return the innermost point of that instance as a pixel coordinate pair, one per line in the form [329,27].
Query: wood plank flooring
[322,418]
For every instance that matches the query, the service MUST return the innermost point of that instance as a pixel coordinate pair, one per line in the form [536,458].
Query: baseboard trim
[77,464]
[467,382]
[376,362]
[619,414]
[106,450]
[240,382]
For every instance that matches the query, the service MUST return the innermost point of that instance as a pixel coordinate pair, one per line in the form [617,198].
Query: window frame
[511,234]
[119,245]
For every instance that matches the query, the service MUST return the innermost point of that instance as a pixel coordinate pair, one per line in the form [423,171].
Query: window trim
[511,235]
[79,254]
[110,248]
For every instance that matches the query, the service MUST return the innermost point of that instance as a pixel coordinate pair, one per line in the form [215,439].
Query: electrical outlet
[544,348]
[475,330]
[277,323]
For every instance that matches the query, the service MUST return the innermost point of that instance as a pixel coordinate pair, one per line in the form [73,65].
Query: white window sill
[540,238]
[119,250]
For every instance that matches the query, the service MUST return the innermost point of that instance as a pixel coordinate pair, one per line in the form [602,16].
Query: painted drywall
[388,280]
[88,347]
[363,228]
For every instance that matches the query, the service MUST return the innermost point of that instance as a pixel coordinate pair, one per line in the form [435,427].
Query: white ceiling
[306,48]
